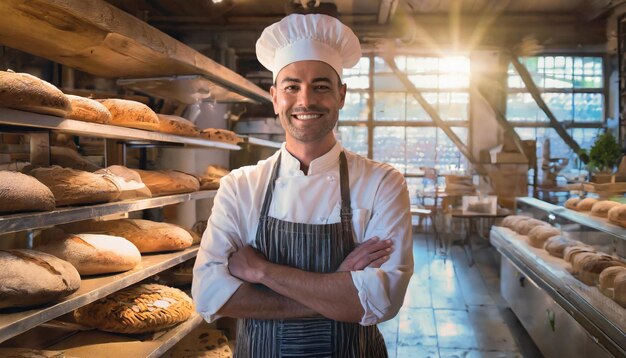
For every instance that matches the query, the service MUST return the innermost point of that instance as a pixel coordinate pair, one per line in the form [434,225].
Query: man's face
[307,97]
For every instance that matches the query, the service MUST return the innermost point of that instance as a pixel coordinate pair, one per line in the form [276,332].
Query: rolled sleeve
[381,290]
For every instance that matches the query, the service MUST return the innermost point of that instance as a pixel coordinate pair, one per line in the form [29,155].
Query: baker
[312,247]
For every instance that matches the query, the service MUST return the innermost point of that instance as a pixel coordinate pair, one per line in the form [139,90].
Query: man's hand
[247,264]
[371,253]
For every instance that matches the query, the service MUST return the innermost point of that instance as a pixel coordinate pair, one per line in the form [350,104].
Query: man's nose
[306,96]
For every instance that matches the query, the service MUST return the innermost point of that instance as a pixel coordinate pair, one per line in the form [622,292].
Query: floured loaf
[91,254]
[220,135]
[137,309]
[601,208]
[177,125]
[29,93]
[21,192]
[31,278]
[168,182]
[128,181]
[538,236]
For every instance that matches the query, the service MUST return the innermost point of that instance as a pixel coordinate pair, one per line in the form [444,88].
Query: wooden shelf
[31,120]
[98,38]
[91,289]
[27,221]
[261,142]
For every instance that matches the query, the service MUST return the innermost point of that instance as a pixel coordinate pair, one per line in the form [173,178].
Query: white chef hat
[308,37]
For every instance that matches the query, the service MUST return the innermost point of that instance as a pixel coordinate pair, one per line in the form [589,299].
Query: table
[470,220]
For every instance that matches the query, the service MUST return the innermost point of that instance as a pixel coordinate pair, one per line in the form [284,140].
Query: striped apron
[313,248]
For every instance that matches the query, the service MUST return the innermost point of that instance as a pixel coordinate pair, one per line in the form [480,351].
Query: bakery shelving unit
[564,316]
[97,38]
[91,289]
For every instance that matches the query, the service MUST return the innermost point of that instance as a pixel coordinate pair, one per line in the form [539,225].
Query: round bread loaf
[511,220]
[21,192]
[586,204]
[147,236]
[88,110]
[617,215]
[516,224]
[31,278]
[607,276]
[71,187]
[619,288]
[91,254]
[29,93]
[168,182]
[589,268]
[524,227]
[571,203]
[602,207]
[210,179]
[220,135]
[131,114]
[538,236]
[557,244]
[572,251]
[138,309]
[177,125]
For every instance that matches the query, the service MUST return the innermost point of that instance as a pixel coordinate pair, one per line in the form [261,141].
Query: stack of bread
[615,212]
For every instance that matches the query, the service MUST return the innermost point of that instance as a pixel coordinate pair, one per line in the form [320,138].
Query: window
[403,134]
[572,87]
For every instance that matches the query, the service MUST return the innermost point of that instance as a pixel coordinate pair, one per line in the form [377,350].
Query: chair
[427,209]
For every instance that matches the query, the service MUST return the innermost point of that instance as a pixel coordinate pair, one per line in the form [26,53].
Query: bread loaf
[177,125]
[31,353]
[210,179]
[138,309]
[586,204]
[20,192]
[127,180]
[572,251]
[619,288]
[556,245]
[601,208]
[91,254]
[607,277]
[220,135]
[617,215]
[572,203]
[131,114]
[71,187]
[539,234]
[69,158]
[88,110]
[590,267]
[202,342]
[524,227]
[29,93]
[147,236]
[168,182]
[31,278]
[511,220]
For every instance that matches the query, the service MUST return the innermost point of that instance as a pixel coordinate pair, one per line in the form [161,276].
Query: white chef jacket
[380,207]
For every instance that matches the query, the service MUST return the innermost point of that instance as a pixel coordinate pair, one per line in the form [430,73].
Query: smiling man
[310,248]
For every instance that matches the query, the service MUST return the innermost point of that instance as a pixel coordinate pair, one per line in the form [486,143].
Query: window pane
[561,105]
[453,106]
[380,65]
[588,107]
[354,138]
[449,158]
[424,81]
[415,112]
[522,107]
[389,146]
[420,146]
[355,107]
[357,76]
[388,82]
[389,106]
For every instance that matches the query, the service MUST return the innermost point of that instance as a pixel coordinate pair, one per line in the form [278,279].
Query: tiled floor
[454,310]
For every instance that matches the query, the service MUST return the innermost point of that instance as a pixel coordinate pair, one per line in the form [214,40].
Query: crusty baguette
[29,93]
[177,125]
[168,182]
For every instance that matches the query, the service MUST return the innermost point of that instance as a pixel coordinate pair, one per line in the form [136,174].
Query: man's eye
[322,88]
[290,89]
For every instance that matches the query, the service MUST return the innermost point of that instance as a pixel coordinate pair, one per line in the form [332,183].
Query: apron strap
[265,209]
[346,207]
